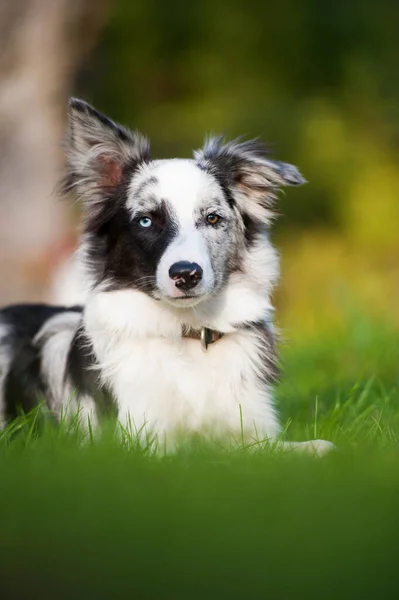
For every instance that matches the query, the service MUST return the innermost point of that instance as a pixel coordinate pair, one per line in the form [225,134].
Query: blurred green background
[318,80]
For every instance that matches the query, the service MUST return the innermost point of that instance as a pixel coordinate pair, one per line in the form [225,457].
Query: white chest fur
[165,384]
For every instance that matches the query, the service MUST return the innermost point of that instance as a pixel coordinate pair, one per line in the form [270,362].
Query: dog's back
[20,380]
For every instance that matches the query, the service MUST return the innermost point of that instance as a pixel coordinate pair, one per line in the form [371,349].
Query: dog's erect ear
[247,172]
[99,152]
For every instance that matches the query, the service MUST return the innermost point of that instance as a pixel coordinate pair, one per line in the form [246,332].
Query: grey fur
[99,152]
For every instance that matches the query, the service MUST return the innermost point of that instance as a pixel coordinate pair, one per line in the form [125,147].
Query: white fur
[67,286]
[55,338]
[166,383]
[5,360]
[315,447]
[179,181]
[188,246]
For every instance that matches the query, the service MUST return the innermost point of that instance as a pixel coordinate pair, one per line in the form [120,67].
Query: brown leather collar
[205,335]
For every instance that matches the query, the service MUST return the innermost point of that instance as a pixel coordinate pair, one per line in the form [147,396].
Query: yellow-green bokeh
[316,79]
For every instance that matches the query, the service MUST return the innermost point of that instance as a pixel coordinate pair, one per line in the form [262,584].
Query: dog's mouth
[184,300]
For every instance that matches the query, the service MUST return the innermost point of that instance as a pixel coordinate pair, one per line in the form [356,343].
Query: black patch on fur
[83,373]
[222,178]
[121,252]
[27,319]
[80,363]
[253,229]
[95,220]
[24,387]
[266,335]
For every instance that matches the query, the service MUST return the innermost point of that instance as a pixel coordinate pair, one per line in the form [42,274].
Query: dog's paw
[314,447]
[317,447]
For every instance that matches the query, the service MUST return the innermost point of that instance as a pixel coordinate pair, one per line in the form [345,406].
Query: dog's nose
[185,274]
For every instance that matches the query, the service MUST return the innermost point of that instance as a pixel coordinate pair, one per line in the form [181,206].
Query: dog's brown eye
[212,219]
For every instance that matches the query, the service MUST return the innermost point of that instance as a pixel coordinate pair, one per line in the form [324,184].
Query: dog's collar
[205,335]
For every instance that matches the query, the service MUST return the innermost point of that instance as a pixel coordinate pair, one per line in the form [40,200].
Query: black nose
[185,274]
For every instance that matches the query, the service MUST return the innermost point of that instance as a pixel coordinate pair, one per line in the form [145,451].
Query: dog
[176,334]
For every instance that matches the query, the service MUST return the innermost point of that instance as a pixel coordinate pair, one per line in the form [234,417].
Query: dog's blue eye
[145,222]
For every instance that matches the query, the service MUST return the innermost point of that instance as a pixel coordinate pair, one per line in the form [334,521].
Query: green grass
[106,520]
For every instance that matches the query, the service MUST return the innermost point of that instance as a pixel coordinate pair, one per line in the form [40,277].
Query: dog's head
[175,229]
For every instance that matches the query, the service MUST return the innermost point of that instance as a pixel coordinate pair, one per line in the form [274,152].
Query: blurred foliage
[317,79]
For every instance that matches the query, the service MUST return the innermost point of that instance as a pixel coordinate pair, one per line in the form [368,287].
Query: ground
[104,521]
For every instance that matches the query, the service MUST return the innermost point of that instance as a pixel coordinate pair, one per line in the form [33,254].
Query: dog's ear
[99,153]
[247,172]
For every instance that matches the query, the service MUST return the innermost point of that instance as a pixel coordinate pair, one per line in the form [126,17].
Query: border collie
[176,334]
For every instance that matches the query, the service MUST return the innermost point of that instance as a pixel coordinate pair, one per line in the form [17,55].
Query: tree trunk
[43,43]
